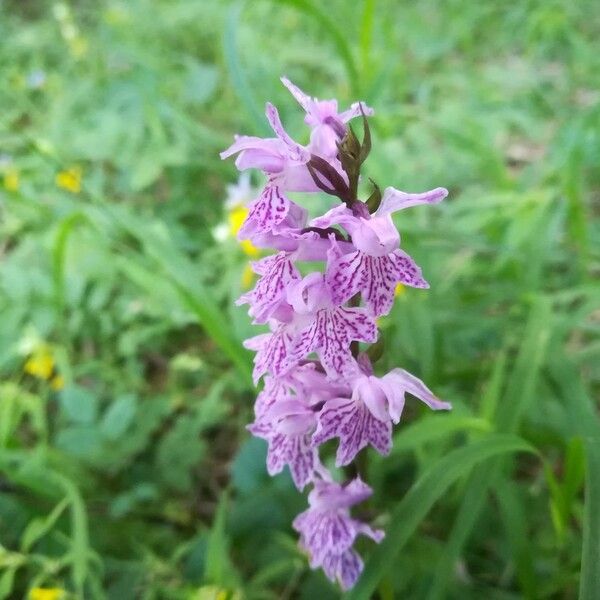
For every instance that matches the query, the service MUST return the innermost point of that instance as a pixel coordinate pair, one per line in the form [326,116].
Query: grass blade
[422,496]
[182,275]
[238,77]
[59,251]
[519,394]
[590,554]
[515,524]
[337,36]
[584,420]
[435,427]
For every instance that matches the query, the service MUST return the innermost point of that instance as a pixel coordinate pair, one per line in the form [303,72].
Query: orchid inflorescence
[318,384]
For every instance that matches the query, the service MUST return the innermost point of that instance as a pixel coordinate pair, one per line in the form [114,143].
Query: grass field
[126,471]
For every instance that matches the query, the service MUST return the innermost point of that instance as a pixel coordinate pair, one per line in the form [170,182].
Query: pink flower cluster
[318,385]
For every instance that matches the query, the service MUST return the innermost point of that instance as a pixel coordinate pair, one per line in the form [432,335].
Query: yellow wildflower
[400,290]
[46,593]
[247,277]
[57,383]
[213,592]
[249,248]
[237,216]
[11,180]
[70,179]
[40,364]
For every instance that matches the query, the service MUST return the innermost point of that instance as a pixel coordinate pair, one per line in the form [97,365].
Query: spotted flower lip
[377,264]
[319,384]
[326,328]
[365,416]
[286,425]
[327,531]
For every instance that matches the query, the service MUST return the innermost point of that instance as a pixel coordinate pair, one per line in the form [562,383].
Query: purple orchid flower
[305,400]
[327,328]
[273,351]
[284,163]
[366,416]
[287,426]
[286,418]
[327,531]
[278,273]
[377,264]
[328,126]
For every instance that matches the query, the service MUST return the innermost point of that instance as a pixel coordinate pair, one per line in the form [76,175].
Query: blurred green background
[125,468]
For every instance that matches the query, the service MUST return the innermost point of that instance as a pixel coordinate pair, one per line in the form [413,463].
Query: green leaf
[201,81]
[59,251]
[83,441]
[7,581]
[118,417]
[430,487]
[248,469]
[183,277]
[219,569]
[79,404]
[80,548]
[39,527]
[179,451]
[574,470]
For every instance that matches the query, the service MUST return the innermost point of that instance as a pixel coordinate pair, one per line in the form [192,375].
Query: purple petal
[272,353]
[344,568]
[295,151]
[276,454]
[257,342]
[261,428]
[408,272]
[292,416]
[266,154]
[278,272]
[314,385]
[329,495]
[266,212]
[355,426]
[371,394]
[294,451]
[274,391]
[345,276]
[249,142]
[304,100]
[323,533]
[339,215]
[394,199]
[356,491]
[399,381]
[330,335]
[375,277]
[354,111]
[375,534]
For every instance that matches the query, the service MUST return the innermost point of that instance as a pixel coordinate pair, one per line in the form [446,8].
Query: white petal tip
[443,406]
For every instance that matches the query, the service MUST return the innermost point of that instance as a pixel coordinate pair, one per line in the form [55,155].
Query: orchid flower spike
[319,294]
